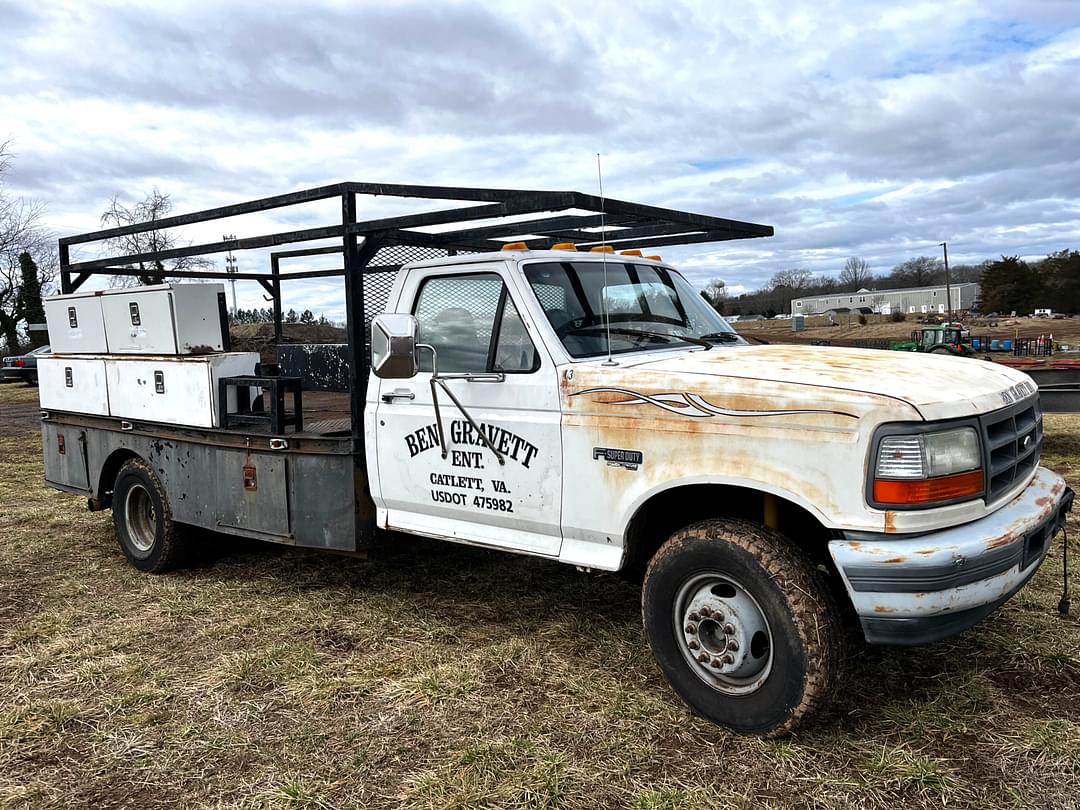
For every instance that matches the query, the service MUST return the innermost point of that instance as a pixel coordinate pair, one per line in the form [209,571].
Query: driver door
[471,319]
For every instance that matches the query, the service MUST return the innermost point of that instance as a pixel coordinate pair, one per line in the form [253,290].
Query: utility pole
[230,267]
[948,286]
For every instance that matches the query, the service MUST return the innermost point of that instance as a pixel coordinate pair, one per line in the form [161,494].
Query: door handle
[399,394]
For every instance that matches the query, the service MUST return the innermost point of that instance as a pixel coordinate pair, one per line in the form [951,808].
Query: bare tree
[798,278]
[715,293]
[856,273]
[154,206]
[21,231]
[785,286]
[921,271]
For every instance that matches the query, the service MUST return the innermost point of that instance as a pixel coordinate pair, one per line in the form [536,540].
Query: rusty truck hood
[938,386]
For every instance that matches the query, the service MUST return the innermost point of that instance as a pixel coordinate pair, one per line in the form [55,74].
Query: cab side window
[474,326]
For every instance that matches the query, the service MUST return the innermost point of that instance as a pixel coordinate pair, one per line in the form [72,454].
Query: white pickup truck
[592,408]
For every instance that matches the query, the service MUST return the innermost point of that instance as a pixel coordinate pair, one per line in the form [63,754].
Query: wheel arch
[109,470]
[663,512]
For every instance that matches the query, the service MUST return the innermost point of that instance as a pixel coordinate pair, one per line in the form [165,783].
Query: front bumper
[926,588]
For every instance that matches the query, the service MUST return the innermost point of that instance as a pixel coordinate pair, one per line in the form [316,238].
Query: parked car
[23,366]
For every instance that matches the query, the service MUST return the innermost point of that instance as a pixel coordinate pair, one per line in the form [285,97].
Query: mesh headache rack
[480,220]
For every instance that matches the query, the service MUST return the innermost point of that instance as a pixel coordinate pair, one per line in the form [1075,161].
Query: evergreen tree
[1011,284]
[30,306]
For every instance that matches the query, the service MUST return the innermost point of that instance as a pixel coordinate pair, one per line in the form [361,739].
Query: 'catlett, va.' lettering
[462,433]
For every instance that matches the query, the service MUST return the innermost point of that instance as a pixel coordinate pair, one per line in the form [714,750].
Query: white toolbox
[164,319]
[76,384]
[170,389]
[76,323]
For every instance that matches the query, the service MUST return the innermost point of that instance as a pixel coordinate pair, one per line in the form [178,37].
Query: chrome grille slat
[1008,461]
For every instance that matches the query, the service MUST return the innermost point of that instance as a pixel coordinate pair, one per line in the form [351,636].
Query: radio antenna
[603,241]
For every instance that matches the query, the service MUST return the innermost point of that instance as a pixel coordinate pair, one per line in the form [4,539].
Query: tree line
[1006,284]
[265,315]
[1011,284]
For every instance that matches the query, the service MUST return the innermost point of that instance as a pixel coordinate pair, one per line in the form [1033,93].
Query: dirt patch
[19,409]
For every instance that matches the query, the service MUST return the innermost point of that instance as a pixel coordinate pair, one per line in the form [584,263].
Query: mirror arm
[483,436]
[437,381]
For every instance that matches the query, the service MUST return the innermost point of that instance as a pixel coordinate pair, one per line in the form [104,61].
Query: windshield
[648,307]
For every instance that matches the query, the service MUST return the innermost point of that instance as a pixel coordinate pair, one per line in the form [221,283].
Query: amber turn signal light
[929,490]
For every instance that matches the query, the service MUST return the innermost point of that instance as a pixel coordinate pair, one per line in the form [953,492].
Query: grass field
[443,676]
[848,330]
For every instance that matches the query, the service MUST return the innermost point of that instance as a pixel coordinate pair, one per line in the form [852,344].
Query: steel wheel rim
[140,517]
[723,633]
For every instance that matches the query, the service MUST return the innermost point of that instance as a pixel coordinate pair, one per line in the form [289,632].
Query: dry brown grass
[879,327]
[447,677]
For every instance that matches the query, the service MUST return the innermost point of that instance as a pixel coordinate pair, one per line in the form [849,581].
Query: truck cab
[629,428]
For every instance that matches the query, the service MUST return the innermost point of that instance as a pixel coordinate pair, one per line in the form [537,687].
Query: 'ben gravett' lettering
[462,433]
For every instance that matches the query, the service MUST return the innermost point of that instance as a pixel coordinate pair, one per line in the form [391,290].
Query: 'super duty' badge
[629,459]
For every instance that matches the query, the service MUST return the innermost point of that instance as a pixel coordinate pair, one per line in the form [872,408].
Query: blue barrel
[1007,344]
[995,345]
[976,343]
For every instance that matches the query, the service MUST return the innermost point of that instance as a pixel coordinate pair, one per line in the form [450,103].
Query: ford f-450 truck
[583,405]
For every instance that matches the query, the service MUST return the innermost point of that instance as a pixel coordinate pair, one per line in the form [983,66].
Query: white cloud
[853,128]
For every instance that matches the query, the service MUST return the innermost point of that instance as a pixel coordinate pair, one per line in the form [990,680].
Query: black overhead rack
[373,250]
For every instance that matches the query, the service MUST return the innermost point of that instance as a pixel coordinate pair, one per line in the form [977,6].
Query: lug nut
[693,645]
[704,611]
[715,663]
[733,645]
[729,629]
[703,658]
[728,659]
[693,616]
[691,628]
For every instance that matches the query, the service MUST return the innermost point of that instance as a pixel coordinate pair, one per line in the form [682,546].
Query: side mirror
[393,346]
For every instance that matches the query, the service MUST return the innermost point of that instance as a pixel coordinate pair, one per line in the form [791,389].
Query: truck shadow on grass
[1023,661]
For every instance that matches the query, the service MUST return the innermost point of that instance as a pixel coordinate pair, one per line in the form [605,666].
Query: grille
[1013,438]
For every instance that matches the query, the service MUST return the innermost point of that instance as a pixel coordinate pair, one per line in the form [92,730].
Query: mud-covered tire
[142,517]
[802,622]
[944,350]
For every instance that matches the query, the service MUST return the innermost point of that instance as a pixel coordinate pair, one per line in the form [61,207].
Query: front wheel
[743,626]
[142,517]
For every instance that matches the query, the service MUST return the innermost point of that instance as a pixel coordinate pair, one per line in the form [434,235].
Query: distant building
[913,300]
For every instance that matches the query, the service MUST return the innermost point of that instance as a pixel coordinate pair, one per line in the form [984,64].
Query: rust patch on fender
[894,560]
[884,609]
[890,522]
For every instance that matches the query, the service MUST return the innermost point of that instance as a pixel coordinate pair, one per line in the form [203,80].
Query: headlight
[928,468]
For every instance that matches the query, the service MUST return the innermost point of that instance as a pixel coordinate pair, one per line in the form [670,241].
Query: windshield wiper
[722,336]
[621,330]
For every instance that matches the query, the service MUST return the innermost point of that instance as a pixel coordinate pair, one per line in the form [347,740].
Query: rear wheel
[142,517]
[743,626]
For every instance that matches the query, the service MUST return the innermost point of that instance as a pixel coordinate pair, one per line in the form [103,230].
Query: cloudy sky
[855,128]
